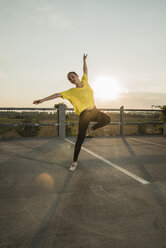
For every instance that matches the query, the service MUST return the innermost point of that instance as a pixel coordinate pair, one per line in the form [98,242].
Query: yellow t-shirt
[80,98]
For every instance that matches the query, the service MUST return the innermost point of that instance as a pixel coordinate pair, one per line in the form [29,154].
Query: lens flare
[45,181]
[106,88]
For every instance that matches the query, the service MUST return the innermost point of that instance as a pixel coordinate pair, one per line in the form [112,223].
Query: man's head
[72,77]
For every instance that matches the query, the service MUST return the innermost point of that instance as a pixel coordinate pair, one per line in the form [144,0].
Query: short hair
[72,72]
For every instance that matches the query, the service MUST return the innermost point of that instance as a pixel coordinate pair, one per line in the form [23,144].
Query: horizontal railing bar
[51,109]
[112,123]
[69,124]
[125,123]
[137,123]
[28,109]
[154,110]
[102,109]
[28,124]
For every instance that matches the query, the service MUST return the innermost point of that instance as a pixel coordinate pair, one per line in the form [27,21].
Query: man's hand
[85,56]
[38,101]
[56,95]
[85,68]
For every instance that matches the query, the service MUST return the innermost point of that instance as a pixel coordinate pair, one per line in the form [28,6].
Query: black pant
[85,118]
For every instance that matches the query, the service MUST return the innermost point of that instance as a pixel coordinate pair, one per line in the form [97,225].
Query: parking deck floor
[116,197]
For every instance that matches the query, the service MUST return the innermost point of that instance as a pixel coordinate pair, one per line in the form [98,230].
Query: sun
[106,88]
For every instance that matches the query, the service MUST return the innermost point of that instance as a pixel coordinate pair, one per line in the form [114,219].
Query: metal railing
[62,111]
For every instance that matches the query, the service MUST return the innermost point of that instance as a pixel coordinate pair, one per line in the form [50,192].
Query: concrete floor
[43,205]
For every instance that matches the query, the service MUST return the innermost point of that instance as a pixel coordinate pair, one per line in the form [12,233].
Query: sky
[41,41]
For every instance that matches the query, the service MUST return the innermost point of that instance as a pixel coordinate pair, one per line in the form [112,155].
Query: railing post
[164,129]
[121,120]
[61,121]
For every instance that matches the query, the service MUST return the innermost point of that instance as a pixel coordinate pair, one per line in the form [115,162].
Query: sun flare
[106,88]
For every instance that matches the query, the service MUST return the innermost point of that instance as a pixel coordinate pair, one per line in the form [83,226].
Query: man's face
[72,78]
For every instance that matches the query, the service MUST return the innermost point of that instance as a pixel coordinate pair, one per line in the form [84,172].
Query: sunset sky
[41,41]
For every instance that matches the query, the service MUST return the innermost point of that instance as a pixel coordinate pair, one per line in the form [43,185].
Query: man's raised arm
[56,95]
[85,68]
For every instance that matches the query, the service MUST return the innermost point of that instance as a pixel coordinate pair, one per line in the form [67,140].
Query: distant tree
[162,116]
[57,105]
[28,131]
[141,129]
[163,113]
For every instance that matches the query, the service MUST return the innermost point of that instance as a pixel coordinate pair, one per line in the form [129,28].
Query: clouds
[51,16]
[57,21]
[46,38]
[144,99]
[34,13]
[135,99]
[53,21]
[151,81]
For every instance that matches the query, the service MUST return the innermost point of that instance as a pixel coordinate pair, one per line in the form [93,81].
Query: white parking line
[139,179]
[148,142]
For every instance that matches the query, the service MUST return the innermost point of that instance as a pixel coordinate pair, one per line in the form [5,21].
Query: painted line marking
[139,179]
[148,142]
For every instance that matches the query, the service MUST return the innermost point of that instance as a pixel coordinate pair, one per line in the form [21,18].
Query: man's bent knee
[108,119]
